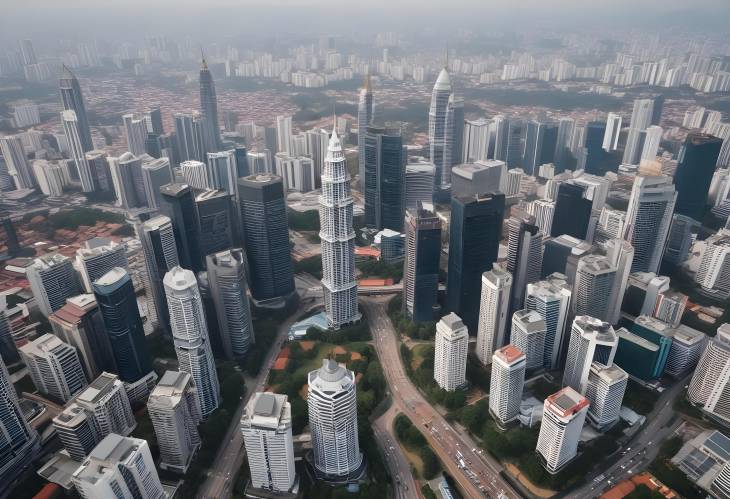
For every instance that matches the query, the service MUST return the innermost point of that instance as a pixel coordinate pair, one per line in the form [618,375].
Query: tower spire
[368,83]
[446,59]
[202,58]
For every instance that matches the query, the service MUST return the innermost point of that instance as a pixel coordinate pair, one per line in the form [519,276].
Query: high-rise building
[620,254]
[332,403]
[636,355]
[119,468]
[54,367]
[658,332]
[455,122]
[178,203]
[384,180]
[648,219]
[572,211]
[493,313]
[419,181]
[195,174]
[263,214]
[592,157]
[135,129]
[506,384]
[515,144]
[283,134]
[695,166]
[613,130]
[500,126]
[190,136]
[97,257]
[73,100]
[16,162]
[652,139]
[540,145]
[687,347]
[714,272]
[528,334]
[216,221]
[605,392]
[590,340]
[77,430]
[315,147]
[551,299]
[155,174]
[267,434]
[611,224]
[642,293]
[679,239]
[190,335]
[561,254]
[118,305]
[27,52]
[209,109]
[227,283]
[440,134]
[128,181]
[221,172]
[670,307]
[52,279]
[564,413]
[713,369]
[563,156]
[452,343]
[72,130]
[175,413]
[513,182]
[476,140]
[641,118]
[364,119]
[480,177]
[475,230]
[543,210]
[421,268]
[594,281]
[524,255]
[338,239]
[52,177]
[160,253]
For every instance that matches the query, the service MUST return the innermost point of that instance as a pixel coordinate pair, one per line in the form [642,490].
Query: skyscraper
[524,255]
[590,340]
[160,254]
[263,214]
[175,413]
[605,392]
[477,178]
[687,347]
[332,403]
[16,161]
[222,172]
[283,135]
[714,273]
[528,334]
[421,268]
[572,212]
[476,140]
[54,367]
[641,118]
[710,385]
[191,136]
[72,130]
[613,130]
[455,122]
[266,426]
[178,203]
[564,413]
[52,279]
[135,129]
[593,158]
[216,220]
[452,344]
[692,178]
[73,100]
[652,139]
[419,184]
[493,312]
[648,220]
[227,283]
[97,257]
[384,180]
[679,239]
[506,384]
[364,119]
[338,239]
[515,144]
[551,299]
[209,109]
[476,227]
[594,281]
[440,135]
[190,335]
[155,174]
[129,185]
[195,174]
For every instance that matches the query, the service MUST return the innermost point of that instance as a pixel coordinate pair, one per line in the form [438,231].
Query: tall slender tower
[73,100]
[338,239]
[209,109]
[364,118]
[440,135]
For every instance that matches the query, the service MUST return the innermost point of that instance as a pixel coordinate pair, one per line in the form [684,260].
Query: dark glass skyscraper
[695,166]
[572,212]
[595,159]
[266,234]
[215,221]
[73,100]
[476,227]
[421,268]
[385,171]
[178,203]
[209,109]
[118,305]
[515,144]
[242,168]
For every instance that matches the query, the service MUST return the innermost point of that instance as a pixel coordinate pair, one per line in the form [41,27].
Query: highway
[404,484]
[480,477]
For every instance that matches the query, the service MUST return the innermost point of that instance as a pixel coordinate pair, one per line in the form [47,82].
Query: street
[395,460]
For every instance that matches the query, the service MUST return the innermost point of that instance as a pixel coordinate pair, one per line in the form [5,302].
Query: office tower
[190,335]
[590,340]
[51,177]
[670,307]
[452,344]
[595,189]
[191,136]
[648,219]
[419,181]
[73,100]
[455,122]
[79,323]
[178,203]
[52,279]
[271,138]
[611,225]
[8,348]
[561,254]
[552,184]
[332,403]
[129,185]
[500,125]
[713,369]
[592,157]
[154,119]
[222,172]
[696,165]
[480,177]
[100,172]
[613,130]
[299,173]
[72,131]
[119,468]
[315,147]
[641,118]
[216,221]
[524,255]
[543,211]
[642,293]
[27,52]
[679,239]
[506,384]
[135,129]
[160,253]
[528,334]
[421,268]
[493,312]
[515,144]
[195,174]
[209,109]
[338,239]
[227,284]
[283,135]
[118,305]
[639,357]
[620,254]
[564,413]
[605,392]
[263,214]
[155,174]
[17,164]
[687,347]
[175,414]
[476,140]
[475,230]
[551,299]
[513,182]
[652,139]
[19,440]
[534,143]
[658,332]
[714,272]
[572,211]
[54,367]
[240,153]
[97,257]
[720,485]
[266,426]
[77,430]
[383,185]
[594,281]
[364,119]
[440,135]
[563,157]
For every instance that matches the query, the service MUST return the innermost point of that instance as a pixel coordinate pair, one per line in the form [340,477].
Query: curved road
[404,484]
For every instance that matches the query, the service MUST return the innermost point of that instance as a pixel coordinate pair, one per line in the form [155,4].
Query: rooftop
[98,388]
[566,402]
[612,373]
[452,321]
[509,354]
[627,335]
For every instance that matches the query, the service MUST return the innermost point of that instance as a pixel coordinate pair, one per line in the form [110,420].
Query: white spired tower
[338,239]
